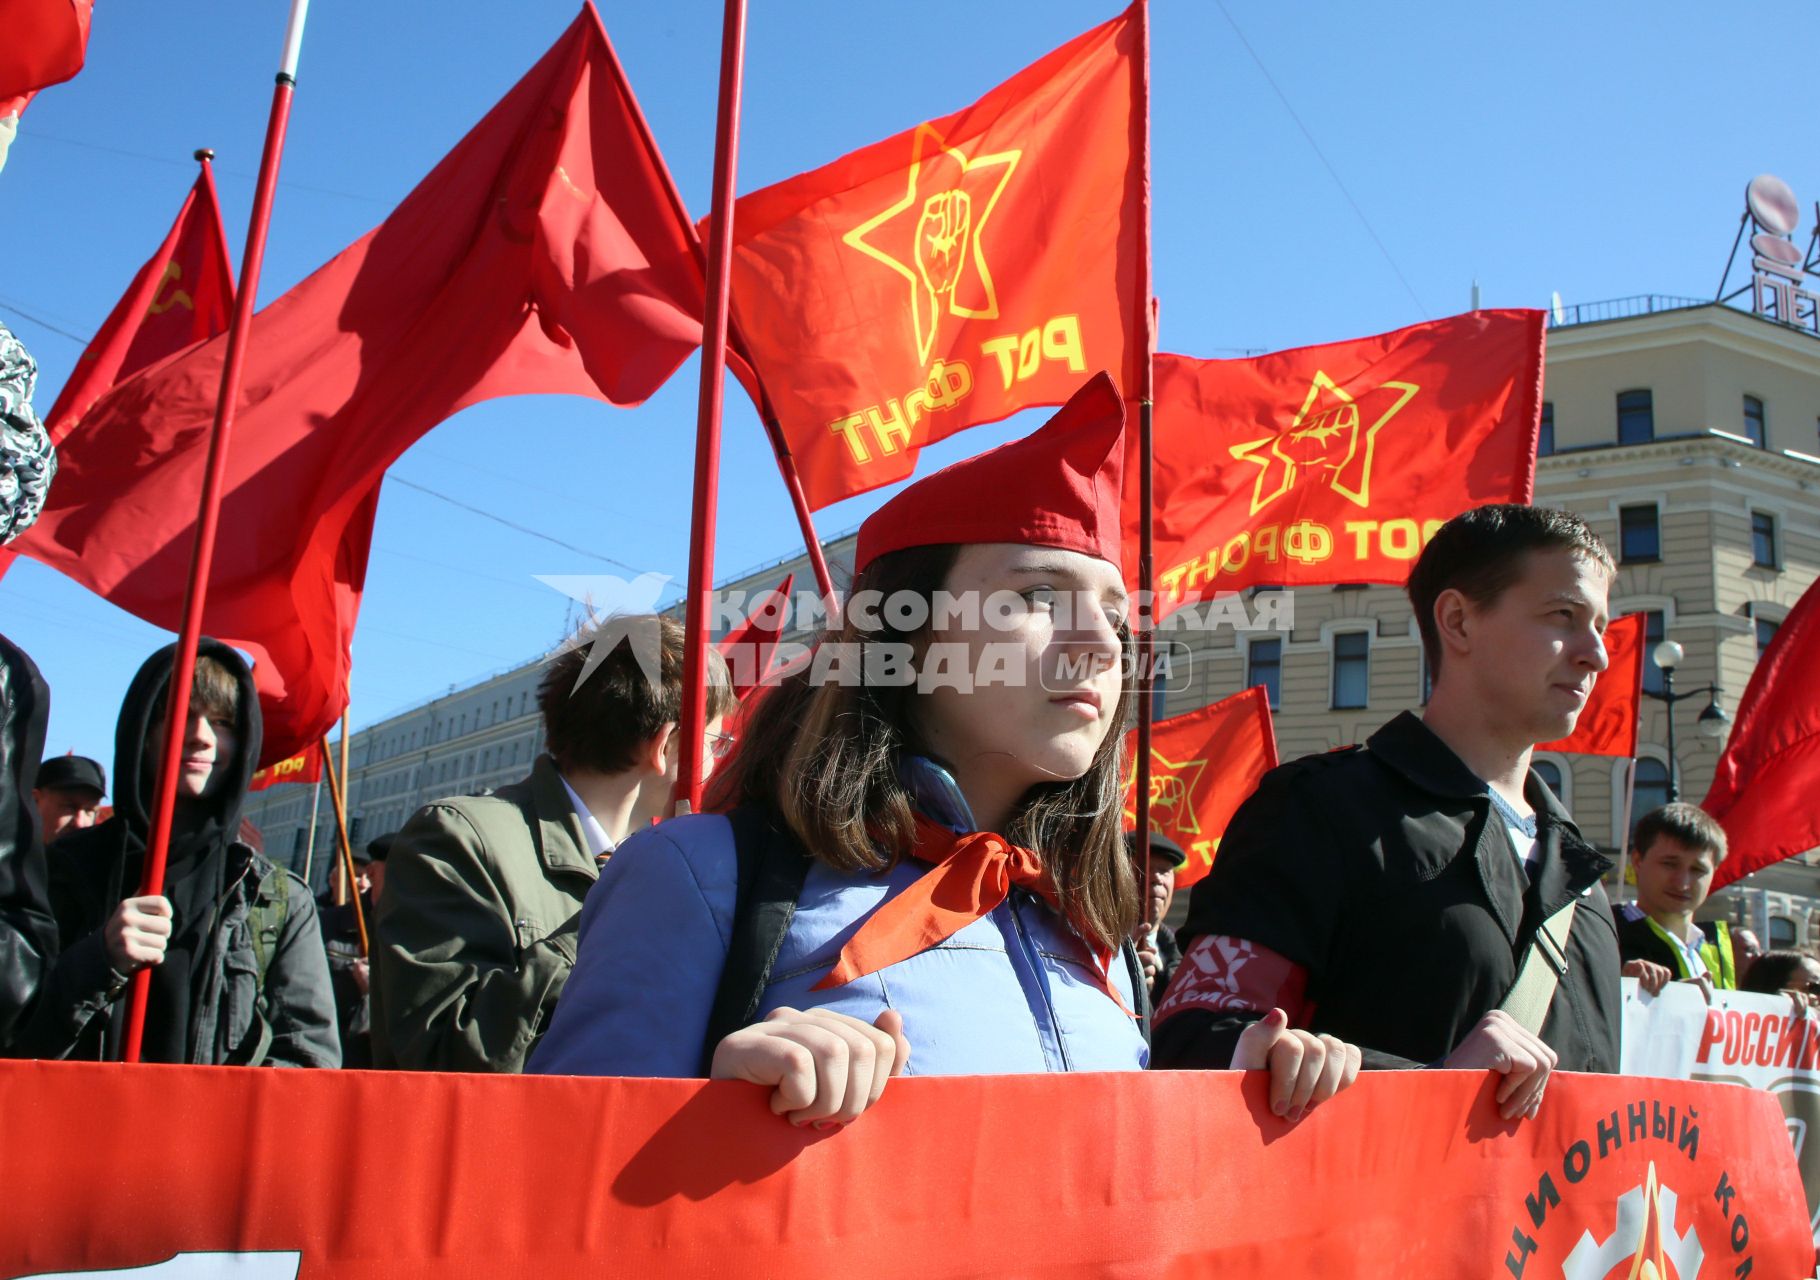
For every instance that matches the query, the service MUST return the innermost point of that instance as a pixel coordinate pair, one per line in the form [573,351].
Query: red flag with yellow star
[1336,463]
[1203,766]
[973,266]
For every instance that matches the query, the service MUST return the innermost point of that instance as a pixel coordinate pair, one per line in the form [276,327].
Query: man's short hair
[1481,552]
[1683,823]
[601,723]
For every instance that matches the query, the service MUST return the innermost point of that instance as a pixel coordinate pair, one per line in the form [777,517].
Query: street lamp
[1712,722]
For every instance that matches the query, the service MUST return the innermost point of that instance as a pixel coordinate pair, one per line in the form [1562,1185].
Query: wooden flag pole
[1145,339]
[202,554]
[707,432]
[347,852]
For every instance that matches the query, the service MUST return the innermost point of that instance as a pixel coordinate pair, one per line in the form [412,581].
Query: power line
[1322,156]
[287,184]
[518,528]
[43,323]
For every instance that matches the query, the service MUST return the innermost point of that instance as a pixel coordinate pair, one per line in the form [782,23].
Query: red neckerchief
[969,876]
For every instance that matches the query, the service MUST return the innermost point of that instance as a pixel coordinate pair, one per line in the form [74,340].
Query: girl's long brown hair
[825,756]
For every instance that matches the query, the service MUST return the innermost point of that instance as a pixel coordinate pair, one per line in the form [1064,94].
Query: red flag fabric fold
[1608,722]
[1336,463]
[749,646]
[546,253]
[42,42]
[951,275]
[1203,765]
[1769,773]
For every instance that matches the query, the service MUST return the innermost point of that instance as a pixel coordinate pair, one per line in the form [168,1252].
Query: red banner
[1203,766]
[386,1176]
[1608,722]
[952,275]
[305,766]
[1336,463]
[1769,773]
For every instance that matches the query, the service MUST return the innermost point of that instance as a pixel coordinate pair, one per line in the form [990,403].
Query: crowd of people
[895,876]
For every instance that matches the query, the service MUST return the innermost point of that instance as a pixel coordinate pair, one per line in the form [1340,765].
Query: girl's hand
[824,1068]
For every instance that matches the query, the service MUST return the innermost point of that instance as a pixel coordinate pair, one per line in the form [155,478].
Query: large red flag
[42,42]
[1336,463]
[183,294]
[1768,776]
[1203,766]
[973,266]
[1608,722]
[548,252]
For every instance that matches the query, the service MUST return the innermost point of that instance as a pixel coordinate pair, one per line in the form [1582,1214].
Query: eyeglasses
[720,745]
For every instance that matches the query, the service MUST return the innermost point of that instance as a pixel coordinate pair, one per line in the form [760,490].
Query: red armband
[1235,975]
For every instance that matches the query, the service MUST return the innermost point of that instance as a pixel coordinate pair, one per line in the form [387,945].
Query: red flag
[42,42]
[45,42]
[749,646]
[1768,776]
[182,295]
[951,275]
[305,766]
[1203,766]
[1336,463]
[1608,722]
[548,252]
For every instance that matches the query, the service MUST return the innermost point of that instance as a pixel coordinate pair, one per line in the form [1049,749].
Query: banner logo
[168,295]
[1327,438]
[1173,788]
[932,236]
[1644,1245]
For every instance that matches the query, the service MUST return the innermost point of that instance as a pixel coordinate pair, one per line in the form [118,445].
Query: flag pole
[309,849]
[347,885]
[707,432]
[347,853]
[780,448]
[202,554]
[1145,340]
[1630,794]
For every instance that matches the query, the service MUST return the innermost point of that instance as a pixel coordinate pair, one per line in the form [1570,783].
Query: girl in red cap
[917,863]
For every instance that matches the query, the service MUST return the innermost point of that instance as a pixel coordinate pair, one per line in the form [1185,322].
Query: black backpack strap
[1140,989]
[772,868]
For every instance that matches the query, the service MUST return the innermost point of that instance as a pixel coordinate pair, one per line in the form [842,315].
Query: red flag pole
[202,555]
[1146,339]
[786,461]
[707,432]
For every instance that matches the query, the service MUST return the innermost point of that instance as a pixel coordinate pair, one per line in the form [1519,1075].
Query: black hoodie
[28,935]
[210,879]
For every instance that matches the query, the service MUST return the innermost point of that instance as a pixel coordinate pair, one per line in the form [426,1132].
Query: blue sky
[1320,171]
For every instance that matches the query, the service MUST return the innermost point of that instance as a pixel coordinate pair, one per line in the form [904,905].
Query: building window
[1427,676]
[1639,534]
[1264,665]
[1653,633]
[1550,773]
[1766,632]
[1650,792]
[1545,435]
[1636,417]
[1763,539]
[1351,669]
[1753,422]
[1782,933]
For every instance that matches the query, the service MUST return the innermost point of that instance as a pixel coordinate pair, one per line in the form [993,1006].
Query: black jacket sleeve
[28,932]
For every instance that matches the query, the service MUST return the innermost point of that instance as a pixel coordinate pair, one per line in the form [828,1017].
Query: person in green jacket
[475,929]
[1676,850]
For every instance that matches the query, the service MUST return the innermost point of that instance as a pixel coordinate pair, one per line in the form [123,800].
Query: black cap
[1161,846]
[377,848]
[72,773]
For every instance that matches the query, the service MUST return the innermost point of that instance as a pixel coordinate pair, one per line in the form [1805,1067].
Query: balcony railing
[1641,304]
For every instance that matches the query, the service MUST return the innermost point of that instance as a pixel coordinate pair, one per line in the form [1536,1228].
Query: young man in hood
[239,975]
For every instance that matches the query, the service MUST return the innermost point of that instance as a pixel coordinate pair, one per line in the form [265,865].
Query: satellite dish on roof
[1776,249]
[1771,204]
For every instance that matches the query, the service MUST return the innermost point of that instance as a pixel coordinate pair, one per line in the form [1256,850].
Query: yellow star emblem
[1326,435]
[1172,785]
[932,236]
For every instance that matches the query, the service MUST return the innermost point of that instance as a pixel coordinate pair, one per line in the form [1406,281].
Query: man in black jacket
[239,976]
[1387,894]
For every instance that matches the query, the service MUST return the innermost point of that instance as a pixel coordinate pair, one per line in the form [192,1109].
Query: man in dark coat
[350,968]
[28,934]
[239,975]
[1388,895]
